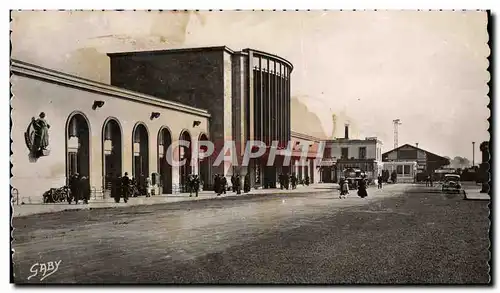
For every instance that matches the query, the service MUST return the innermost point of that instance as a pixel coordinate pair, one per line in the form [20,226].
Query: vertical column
[280,120]
[282,84]
[251,97]
[272,117]
[261,104]
[265,108]
[258,102]
[285,102]
[269,113]
[275,102]
[288,108]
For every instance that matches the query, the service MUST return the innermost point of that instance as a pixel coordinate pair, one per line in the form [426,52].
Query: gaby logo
[43,270]
[180,152]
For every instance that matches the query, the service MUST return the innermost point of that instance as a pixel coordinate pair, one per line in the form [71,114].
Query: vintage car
[451,183]
[353,176]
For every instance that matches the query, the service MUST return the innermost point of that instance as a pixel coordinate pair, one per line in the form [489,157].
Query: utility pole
[473,149]
[396,122]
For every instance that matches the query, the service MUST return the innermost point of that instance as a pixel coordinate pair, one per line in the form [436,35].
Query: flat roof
[168,51]
[202,49]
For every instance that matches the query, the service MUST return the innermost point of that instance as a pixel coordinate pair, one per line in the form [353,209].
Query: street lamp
[473,146]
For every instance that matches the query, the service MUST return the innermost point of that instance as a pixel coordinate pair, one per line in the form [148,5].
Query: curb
[227,197]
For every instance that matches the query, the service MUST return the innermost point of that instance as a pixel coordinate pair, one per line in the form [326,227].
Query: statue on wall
[37,136]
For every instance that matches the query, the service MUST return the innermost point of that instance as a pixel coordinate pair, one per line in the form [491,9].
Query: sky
[365,68]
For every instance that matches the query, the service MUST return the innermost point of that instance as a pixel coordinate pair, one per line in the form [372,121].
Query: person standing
[224,184]
[196,184]
[237,184]
[362,188]
[217,183]
[85,189]
[379,181]
[246,185]
[116,189]
[233,183]
[344,189]
[126,187]
[73,188]
[148,186]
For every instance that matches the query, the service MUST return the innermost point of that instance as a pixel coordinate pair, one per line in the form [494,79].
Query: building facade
[426,161]
[308,165]
[345,153]
[97,130]
[247,94]
[406,170]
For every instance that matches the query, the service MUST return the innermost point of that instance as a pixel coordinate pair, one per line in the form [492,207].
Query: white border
[202,5]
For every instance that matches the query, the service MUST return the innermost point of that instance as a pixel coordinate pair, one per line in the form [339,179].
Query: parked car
[451,183]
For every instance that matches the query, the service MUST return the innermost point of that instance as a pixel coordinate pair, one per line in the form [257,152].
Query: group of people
[123,186]
[194,183]
[285,181]
[361,186]
[79,187]
[220,184]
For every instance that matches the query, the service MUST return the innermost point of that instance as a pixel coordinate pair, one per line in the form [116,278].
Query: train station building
[154,99]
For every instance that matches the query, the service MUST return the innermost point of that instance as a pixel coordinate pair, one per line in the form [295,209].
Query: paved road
[405,234]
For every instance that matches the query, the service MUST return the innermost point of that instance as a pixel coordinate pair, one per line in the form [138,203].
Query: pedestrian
[217,183]
[379,181]
[189,184]
[73,188]
[246,184]
[293,178]
[233,184]
[196,184]
[148,187]
[237,184]
[85,189]
[116,189]
[224,184]
[126,188]
[362,188]
[344,189]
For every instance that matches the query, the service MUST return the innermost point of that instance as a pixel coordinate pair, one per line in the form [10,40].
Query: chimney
[346,135]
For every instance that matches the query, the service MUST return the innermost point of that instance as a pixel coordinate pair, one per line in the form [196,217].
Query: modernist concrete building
[247,94]
[97,130]
[343,153]
[427,162]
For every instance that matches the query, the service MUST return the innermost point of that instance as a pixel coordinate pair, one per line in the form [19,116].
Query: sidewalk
[475,194]
[41,208]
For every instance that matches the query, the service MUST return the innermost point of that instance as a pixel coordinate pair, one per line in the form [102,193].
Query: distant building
[343,153]
[307,166]
[407,156]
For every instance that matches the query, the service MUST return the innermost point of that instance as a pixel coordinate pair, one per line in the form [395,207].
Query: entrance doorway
[140,155]
[204,164]
[77,146]
[164,163]
[185,153]
[112,152]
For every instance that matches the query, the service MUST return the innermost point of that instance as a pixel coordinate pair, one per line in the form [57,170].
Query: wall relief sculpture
[37,136]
